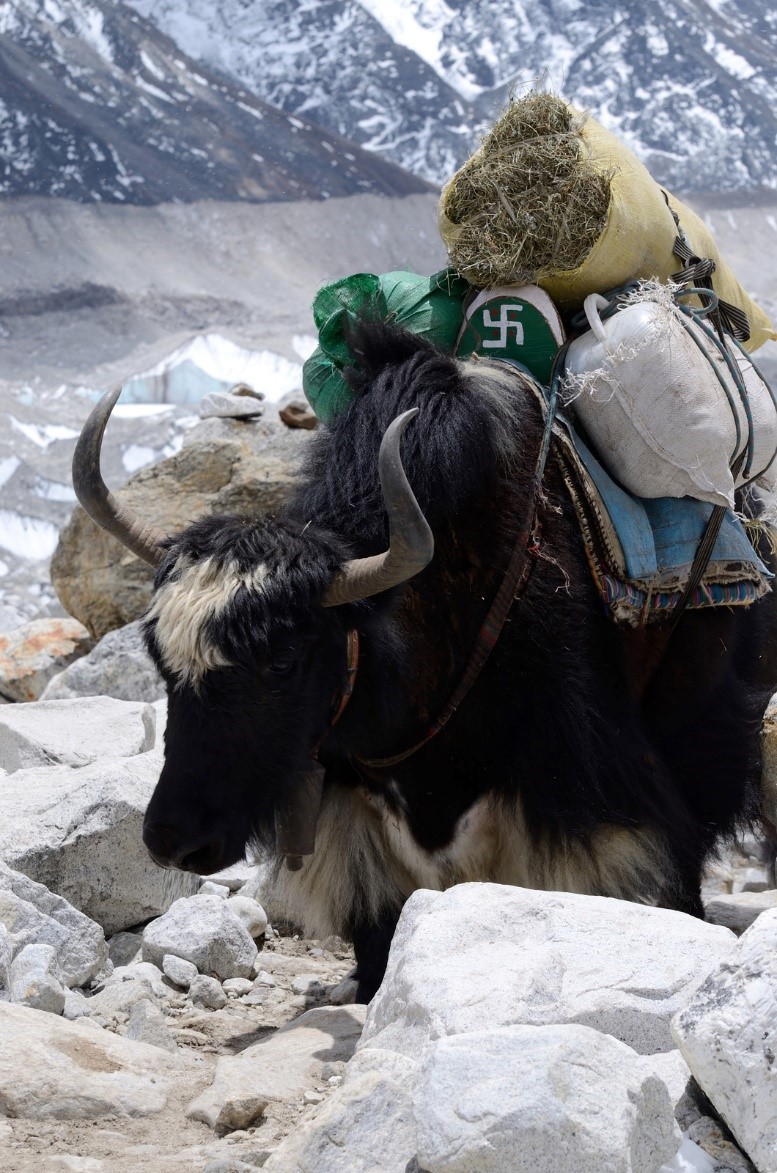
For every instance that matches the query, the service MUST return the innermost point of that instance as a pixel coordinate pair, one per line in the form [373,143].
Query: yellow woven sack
[637,238]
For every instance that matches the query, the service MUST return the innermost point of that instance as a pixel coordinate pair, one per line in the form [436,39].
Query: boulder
[480,956]
[738,911]
[250,913]
[33,915]
[79,832]
[206,991]
[35,979]
[369,1117]
[281,1067]
[225,466]
[32,654]
[566,1098]
[74,732]
[51,1069]
[118,666]
[147,1024]
[182,973]
[727,1033]
[201,929]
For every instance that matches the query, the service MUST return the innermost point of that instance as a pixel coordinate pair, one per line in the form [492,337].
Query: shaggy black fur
[563,716]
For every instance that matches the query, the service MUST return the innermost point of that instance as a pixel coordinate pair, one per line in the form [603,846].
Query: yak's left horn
[95,496]
[411,543]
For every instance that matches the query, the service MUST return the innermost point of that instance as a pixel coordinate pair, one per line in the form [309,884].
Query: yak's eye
[282,663]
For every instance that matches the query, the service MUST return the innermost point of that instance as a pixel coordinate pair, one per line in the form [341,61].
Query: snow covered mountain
[690,84]
[97,104]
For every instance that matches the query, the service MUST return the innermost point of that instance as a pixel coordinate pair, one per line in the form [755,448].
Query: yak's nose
[172,847]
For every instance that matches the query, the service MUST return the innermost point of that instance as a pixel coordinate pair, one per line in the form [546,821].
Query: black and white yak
[587,757]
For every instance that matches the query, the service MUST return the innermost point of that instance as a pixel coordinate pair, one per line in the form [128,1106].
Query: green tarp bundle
[428,306]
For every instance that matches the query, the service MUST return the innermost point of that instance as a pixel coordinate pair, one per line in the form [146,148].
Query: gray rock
[124,948]
[344,993]
[119,666]
[87,1073]
[34,915]
[370,1117]
[79,832]
[32,654]
[727,1033]
[309,984]
[35,979]
[250,913]
[282,1067]
[147,1025]
[238,986]
[74,732]
[739,911]
[206,991]
[178,970]
[114,1003]
[566,1098]
[709,1136]
[5,958]
[76,1005]
[201,929]
[222,404]
[208,888]
[539,958]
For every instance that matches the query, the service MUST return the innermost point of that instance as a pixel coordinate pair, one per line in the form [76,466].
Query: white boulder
[54,1069]
[565,1098]
[203,930]
[480,956]
[79,832]
[35,979]
[728,1035]
[118,666]
[74,733]
[366,1126]
[32,915]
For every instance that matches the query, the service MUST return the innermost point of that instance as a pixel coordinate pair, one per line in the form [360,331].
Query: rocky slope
[690,84]
[97,104]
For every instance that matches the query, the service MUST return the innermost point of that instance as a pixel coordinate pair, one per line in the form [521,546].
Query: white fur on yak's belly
[366,861]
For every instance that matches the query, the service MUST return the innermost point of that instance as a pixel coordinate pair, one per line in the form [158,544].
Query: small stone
[229,1165]
[739,910]
[265,979]
[124,948]
[147,1025]
[250,914]
[313,1098]
[344,993]
[179,971]
[206,991]
[252,999]
[208,888]
[238,986]
[76,1005]
[308,984]
[710,1137]
[225,406]
[298,415]
[332,1070]
[203,930]
[35,979]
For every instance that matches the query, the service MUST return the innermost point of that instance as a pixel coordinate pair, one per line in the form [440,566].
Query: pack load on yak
[571,263]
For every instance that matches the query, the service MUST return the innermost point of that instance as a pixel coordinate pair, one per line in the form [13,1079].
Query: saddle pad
[641,549]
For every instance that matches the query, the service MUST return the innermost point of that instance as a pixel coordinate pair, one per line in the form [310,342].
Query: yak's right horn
[95,496]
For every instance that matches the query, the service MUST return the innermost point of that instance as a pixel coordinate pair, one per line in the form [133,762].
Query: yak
[586,756]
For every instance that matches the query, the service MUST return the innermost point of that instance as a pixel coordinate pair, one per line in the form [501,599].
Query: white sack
[643,384]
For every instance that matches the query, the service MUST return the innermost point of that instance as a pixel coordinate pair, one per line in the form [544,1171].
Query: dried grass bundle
[529,203]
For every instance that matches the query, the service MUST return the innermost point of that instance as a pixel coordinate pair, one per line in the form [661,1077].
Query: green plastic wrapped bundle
[428,306]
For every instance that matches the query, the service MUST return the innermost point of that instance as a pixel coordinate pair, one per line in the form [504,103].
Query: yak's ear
[375,345]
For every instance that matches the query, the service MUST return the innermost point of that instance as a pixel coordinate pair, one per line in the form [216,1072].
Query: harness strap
[511,588]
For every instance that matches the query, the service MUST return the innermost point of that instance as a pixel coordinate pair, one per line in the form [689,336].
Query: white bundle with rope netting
[672,408]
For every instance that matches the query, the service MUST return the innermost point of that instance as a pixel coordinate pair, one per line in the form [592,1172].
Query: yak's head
[249,626]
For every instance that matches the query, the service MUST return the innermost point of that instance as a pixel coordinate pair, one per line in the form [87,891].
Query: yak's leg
[371,944]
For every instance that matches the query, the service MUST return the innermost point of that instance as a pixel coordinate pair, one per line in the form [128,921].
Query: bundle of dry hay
[529,202]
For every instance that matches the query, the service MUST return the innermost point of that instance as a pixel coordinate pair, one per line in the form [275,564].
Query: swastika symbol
[504,323]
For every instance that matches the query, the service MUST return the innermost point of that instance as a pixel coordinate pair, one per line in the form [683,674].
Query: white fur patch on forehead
[195,593]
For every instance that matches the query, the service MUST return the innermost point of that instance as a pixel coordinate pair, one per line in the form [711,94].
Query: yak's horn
[411,543]
[97,499]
